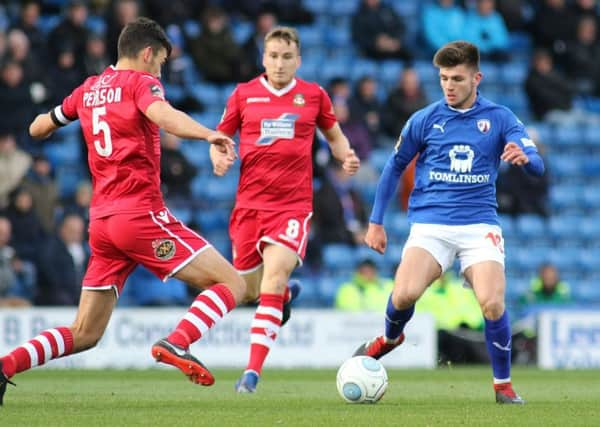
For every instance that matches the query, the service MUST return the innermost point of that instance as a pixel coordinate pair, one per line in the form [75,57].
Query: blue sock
[498,342]
[395,319]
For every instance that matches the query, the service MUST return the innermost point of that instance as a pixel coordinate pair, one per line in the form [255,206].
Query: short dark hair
[457,53]
[139,34]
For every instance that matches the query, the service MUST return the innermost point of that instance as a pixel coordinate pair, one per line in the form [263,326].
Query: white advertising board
[312,338]
[569,340]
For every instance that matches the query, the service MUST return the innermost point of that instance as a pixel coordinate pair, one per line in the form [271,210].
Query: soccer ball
[361,379]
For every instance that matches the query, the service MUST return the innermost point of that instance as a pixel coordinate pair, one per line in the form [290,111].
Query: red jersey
[277,128]
[123,144]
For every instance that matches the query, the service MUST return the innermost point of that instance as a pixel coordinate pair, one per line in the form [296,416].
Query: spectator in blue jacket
[443,22]
[486,28]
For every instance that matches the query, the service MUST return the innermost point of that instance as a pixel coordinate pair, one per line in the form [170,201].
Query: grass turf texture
[446,396]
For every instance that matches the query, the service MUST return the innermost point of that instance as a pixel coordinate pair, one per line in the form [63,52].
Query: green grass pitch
[443,397]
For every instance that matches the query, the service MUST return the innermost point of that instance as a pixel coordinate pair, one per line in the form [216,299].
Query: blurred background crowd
[539,58]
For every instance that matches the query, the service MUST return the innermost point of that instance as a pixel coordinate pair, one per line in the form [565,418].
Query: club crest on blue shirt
[484,125]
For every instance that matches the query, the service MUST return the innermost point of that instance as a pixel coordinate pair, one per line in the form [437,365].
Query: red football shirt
[277,128]
[123,144]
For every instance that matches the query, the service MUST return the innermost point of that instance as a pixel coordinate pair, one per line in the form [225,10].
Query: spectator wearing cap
[366,291]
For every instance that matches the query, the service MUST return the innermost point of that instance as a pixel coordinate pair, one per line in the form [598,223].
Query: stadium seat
[339,37]
[64,153]
[564,168]
[586,292]
[589,229]
[564,229]
[514,72]
[310,35]
[346,7]
[148,290]
[212,220]
[339,258]
[390,72]
[566,198]
[525,262]
[328,287]
[507,224]
[198,154]
[427,73]
[68,178]
[397,225]
[208,95]
[566,260]
[530,226]
[568,137]
[183,214]
[319,7]
[379,157]
[363,68]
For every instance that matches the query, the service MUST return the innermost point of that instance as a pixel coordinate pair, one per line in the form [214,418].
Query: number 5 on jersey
[104,148]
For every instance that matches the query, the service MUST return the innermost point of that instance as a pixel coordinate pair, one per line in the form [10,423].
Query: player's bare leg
[223,290]
[489,285]
[95,309]
[416,271]
[279,262]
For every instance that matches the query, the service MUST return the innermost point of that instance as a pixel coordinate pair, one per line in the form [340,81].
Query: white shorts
[471,243]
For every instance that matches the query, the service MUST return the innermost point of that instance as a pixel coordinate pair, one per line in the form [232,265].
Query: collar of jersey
[277,92]
[475,105]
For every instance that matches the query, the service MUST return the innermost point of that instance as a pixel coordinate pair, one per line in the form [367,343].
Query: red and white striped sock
[207,309]
[264,329]
[48,345]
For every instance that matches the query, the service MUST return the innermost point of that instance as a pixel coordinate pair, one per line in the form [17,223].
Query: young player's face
[155,61]
[459,85]
[281,60]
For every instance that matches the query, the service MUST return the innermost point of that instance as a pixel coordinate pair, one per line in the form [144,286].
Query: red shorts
[120,242]
[251,229]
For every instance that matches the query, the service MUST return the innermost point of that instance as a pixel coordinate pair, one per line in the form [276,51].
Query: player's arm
[182,125]
[45,124]
[523,156]
[404,152]
[341,150]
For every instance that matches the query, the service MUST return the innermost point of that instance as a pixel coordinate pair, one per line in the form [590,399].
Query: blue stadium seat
[197,153]
[507,224]
[346,7]
[397,225]
[379,157]
[64,153]
[242,30]
[339,257]
[320,7]
[390,72]
[212,220]
[564,168]
[589,230]
[339,37]
[183,214]
[208,95]
[427,72]
[566,198]
[144,288]
[564,229]
[569,137]
[514,72]
[591,137]
[363,67]
[310,36]
[586,292]
[392,257]
[335,67]
[566,260]
[530,227]
[68,178]
[328,287]
[526,261]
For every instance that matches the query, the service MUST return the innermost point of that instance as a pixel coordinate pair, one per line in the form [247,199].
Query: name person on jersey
[107,95]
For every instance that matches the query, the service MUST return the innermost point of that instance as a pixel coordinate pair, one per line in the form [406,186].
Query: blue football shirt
[458,159]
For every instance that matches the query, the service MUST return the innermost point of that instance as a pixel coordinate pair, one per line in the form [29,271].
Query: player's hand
[376,238]
[220,159]
[223,143]
[351,163]
[514,155]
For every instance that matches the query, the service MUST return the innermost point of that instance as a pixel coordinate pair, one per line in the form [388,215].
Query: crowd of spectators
[48,47]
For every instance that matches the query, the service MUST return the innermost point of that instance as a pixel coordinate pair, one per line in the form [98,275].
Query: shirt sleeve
[147,91]
[516,132]
[407,147]
[67,111]
[326,117]
[231,119]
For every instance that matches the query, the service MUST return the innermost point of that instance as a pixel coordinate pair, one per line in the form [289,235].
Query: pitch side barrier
[312,338]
